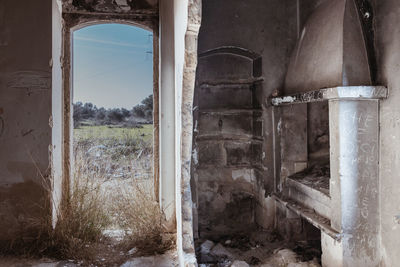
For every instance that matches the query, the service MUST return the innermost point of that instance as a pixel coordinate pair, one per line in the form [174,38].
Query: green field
[90,133]
[111,152]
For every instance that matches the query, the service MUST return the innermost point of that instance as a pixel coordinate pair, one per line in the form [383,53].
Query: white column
[168,108]
[354,132]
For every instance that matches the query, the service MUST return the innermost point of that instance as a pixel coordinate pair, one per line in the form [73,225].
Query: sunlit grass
[145,132]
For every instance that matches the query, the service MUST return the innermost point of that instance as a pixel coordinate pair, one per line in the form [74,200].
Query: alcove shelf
[340,188]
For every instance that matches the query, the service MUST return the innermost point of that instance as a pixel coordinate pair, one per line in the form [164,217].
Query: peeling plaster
[30,79]
[246,174]
[281,100]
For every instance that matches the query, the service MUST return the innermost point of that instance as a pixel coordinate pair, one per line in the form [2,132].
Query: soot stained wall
[233,148]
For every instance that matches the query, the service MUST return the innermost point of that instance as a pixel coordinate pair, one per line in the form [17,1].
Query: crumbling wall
[110,6]
[25,112]
[387,17]
[233,150]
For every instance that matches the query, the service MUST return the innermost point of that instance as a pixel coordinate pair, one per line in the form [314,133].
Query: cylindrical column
[354,132]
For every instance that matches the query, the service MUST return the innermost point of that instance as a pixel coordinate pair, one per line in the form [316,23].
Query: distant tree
[148,102]
[88,111]
[145,109]
[139,111]
[77,111]
[126,113]
[115,115]
[101,114]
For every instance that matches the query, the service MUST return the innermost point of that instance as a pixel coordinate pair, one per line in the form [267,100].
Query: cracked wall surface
[233,149]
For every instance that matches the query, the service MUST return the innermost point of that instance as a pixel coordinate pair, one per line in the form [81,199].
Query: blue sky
[112,65]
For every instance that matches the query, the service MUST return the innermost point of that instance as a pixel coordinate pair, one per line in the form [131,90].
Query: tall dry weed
[97,202]
[140,216]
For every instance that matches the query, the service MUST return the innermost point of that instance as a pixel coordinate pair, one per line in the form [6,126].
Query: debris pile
[260,248]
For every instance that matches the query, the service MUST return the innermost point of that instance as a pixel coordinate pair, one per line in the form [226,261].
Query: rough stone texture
[189,72]
[387,15]
[110,6]
[244,49]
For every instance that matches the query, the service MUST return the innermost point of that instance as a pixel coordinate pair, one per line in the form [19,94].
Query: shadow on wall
[228,139]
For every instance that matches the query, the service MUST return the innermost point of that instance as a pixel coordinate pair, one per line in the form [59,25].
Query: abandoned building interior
[280,115]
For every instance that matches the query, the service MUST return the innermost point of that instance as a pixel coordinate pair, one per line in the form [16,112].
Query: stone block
[225,97]
[210,153]
[231,124]
[238,154]
[225,67]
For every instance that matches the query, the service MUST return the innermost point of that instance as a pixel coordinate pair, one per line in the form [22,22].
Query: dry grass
[139,214]
[99,201]
[79,225]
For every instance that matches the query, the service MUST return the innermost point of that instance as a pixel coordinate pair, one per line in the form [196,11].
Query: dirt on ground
[260,248]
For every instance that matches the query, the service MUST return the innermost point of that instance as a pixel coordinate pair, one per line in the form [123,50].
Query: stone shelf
[335,93]
[317,178]
[309,215]
[310,188]
[345,197]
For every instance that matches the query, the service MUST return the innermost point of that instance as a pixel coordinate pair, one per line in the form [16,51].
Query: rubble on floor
[168,259]
[260,248]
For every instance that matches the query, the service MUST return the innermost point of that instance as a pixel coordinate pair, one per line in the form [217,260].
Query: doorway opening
[112,171]
[113,100]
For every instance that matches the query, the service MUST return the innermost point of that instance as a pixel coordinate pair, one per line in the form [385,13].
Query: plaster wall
[332,37]
[387,17]
[25,111]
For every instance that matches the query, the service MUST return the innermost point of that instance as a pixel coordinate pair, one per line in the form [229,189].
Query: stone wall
[110,6]
[243,54]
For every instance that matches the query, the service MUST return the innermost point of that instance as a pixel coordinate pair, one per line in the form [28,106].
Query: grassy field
[116,152]
[111,132]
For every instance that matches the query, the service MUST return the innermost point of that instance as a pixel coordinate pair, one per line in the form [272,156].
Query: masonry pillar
[354,148]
